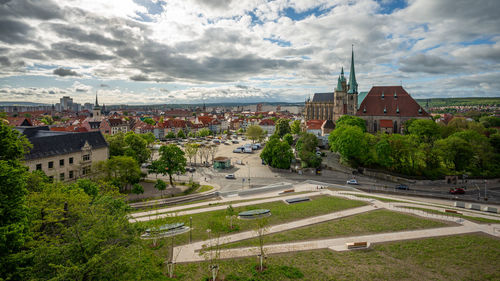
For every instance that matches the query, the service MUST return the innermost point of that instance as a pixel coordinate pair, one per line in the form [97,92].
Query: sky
[215,51]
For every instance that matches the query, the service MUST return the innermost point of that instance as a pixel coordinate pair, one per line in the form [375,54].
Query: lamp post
[190,229]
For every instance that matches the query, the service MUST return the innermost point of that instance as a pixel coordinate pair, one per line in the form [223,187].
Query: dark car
[457,190]
[402,187]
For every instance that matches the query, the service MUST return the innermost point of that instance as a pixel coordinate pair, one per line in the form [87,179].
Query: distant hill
[439,102]
[20,103]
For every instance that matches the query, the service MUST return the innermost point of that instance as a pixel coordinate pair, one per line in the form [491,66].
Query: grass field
[464,257]
[281,213]
[475,219]
[366,223]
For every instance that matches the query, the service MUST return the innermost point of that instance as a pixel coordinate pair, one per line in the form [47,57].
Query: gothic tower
[96,111]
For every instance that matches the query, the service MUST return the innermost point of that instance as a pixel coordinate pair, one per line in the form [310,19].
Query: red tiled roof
[267,122]
[385,123]
[314,124]
[374,105]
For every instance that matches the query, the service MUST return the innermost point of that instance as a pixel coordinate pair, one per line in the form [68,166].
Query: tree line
[426,148]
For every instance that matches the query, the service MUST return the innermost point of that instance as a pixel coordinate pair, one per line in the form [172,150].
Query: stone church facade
[332,105]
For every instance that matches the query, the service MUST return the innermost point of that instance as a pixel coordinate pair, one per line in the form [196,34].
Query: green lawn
[475,219]
[204,188]
[281,213]
[464,257]
[366,223]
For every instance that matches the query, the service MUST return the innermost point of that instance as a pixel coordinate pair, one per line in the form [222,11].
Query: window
[70,174]
[38,167]
[61,176]
[51,164]
[71,160]
[86,157]
[374,126]
[86,170]
[61,163]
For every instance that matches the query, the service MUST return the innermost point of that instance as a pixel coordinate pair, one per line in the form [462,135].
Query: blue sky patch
[279,42]
[388,7]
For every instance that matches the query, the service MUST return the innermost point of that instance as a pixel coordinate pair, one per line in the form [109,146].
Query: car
[352,181]
[247,150]
[226,143]
[402,187]
[146,165]
[230,177]
[235,141]
[238,150]
[190,169]
[457,190]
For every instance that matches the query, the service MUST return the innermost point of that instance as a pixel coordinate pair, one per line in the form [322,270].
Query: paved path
[190,252]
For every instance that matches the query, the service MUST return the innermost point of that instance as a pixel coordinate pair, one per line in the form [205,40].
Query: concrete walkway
[190,252]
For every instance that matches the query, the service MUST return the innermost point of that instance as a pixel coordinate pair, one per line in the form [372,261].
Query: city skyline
[154,52]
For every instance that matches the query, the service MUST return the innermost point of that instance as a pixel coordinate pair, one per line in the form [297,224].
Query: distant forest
[439,102]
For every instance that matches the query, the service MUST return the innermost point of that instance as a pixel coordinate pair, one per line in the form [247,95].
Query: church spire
[96,102]
[339,83]
[353,85]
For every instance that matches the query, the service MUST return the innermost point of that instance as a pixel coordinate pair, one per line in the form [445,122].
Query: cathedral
[330,106]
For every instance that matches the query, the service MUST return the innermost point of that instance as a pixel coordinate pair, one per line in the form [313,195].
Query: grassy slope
[475,219]
[372,222]
[464,257]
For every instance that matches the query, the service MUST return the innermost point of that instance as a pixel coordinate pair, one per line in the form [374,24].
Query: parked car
[238,150]
[402,187]
[352,181]
[230,177]
[457,190]
[235,141]
[247,150]
[226,143]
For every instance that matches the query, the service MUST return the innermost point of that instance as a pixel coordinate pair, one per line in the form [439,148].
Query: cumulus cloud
[64,72]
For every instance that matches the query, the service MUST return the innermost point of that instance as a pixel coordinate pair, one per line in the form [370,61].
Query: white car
[353,181]
[230,177]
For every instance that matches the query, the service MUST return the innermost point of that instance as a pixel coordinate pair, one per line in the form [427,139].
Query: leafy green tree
[89,187]
[348,120]
[350,142]
[149,138]
[255,132]
[161,186]
[77,237]
[14,228]
[137,147]
[288,138]
[171,161]
[191,135]
[282,127]
[490,121]
[122,170]
[282,156]
[267,153]
[137,189]
[426,130]
[203,133]
[181,134]
[191,149]
[170,135]
[307,142]
[495,142]
[455,151]
[149,121]
[47,120]
[295,127]
[383,152]
[116,143]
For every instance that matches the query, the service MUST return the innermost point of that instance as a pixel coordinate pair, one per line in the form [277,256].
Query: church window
[395,95]
[385,110]
[382,95]
[364,109]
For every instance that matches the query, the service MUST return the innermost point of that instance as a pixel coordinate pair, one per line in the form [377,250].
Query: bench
[287,191]
[357,245]
[452,211]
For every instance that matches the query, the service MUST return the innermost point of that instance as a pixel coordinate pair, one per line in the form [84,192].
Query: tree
[203,133]
[191,135]
[181,134]
[204,153]
[14,229]
[212,150]
[306,147]
[282,127]
[348,120]
[170,135]
[288,138]
[148,137]
[77,237]
[161,186]
[295,127]
[282,156]
[149,121]
[47,120]
[89,187]
[261,228]
[172,160]
[191,149]
[116,144]
[426,130]
[255,132]
[456,151]
[121,170]
[350,142]
[231,213]
[136,148]
[137,189]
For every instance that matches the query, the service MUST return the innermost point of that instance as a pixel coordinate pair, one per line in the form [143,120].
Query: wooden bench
[288,191]
[357,245]
[452,211]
